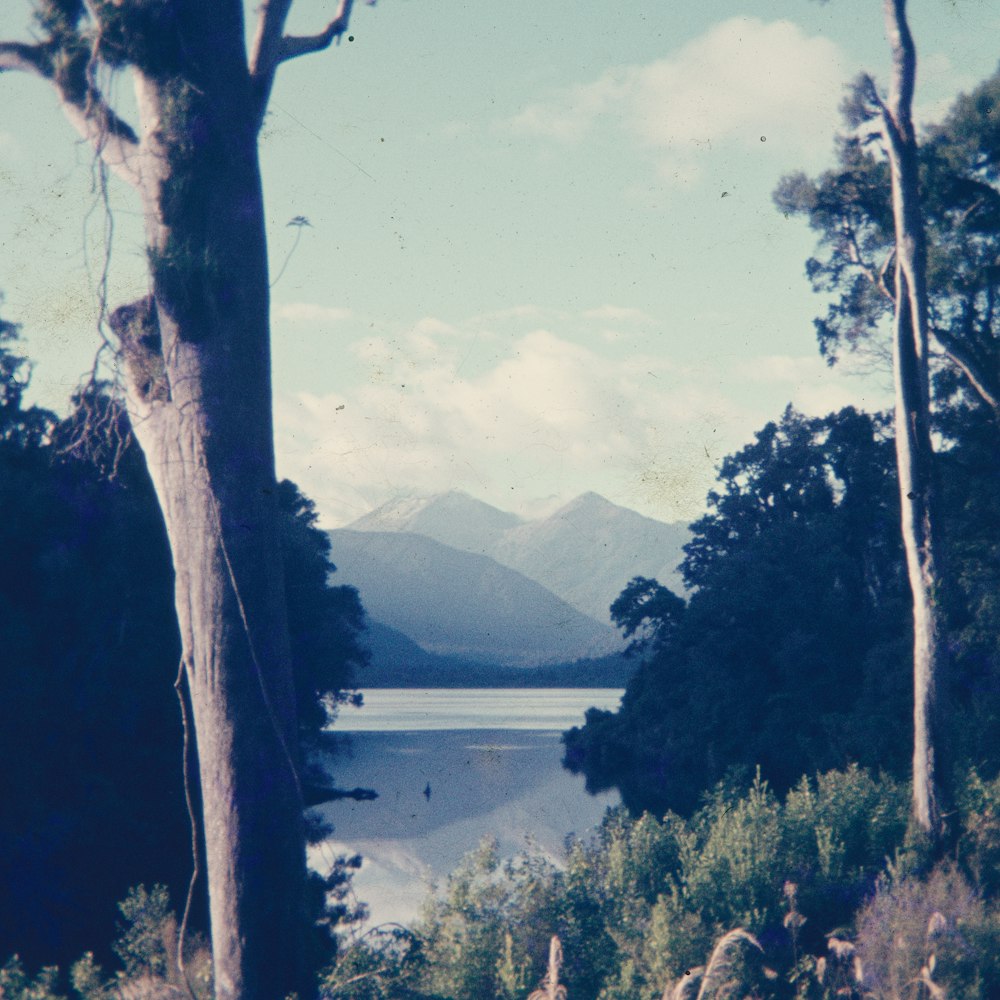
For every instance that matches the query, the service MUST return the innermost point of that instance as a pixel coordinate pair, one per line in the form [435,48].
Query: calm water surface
[423,709]
[451,767]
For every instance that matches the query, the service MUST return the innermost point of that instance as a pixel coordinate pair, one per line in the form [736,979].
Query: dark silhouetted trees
[90,730]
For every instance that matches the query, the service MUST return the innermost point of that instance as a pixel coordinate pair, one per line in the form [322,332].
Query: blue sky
[543,256]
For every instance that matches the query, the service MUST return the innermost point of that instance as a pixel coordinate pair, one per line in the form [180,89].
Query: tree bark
[197,367]
[195,361]
[914,450]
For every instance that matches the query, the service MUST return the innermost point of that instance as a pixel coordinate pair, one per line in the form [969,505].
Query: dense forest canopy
[790,652]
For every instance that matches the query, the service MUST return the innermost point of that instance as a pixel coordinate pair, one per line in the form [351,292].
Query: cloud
[745,81]
[538,413]
[813,386]
[310,312]
[543,415]
[617,314]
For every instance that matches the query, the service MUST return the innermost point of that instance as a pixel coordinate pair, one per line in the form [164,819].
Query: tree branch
[112,137]
[983,383]
[25,58]
[293,46]
[271,46]
[271,16]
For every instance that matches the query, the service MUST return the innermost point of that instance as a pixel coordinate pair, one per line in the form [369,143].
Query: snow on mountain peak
[585,552]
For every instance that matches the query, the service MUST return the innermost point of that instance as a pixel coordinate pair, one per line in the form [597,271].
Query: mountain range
[483,589]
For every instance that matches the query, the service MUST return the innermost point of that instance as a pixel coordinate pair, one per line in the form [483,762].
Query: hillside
[453,518]
[456,603]
[399,662]
[585,553]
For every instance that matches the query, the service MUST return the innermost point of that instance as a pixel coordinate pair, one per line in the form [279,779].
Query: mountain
[398,662]
[585,553]
[457,603]
[452,518]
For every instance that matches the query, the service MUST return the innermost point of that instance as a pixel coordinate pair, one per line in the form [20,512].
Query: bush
[648,900]
[16,984]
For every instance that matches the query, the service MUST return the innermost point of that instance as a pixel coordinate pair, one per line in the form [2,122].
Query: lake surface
[491,763]
[425,709]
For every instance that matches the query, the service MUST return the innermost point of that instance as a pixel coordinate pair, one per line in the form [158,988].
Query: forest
[805,751]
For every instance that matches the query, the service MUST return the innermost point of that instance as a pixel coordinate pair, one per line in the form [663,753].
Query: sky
[542,255]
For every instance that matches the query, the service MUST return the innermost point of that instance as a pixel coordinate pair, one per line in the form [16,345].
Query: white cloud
[617,314]
[742,80]
[535,415]
[310,312]
[813,386]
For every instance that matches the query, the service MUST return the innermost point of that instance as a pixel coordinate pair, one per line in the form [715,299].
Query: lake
[491,762]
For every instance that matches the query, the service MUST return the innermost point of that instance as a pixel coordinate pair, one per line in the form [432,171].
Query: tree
[196,360]
[647,613]
[790,651]
[850,207]
[859,226]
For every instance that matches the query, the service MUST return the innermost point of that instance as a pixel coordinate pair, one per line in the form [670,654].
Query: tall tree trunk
[195,355]
[914,450]
[197,365]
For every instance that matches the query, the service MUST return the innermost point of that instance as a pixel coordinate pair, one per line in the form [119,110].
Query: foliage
[934,931]
[647,613]
[16,984]
[142,943]
[324,622]
[383,964]
[754,895]
[20,427]
[849,207]
[791,651]
[147,947]
[648,899]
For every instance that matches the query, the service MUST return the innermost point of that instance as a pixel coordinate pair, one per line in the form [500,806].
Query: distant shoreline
[606,672]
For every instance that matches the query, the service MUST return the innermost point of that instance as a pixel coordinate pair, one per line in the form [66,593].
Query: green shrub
[979,831]
[645,899]
[732,872]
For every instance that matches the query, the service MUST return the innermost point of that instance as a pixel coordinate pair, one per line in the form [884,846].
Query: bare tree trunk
[197,367]
[195,355]
[914,451]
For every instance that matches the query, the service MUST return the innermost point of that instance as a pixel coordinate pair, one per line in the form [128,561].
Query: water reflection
[441,790]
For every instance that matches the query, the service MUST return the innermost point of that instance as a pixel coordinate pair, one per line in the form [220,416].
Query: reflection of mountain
[483,782]
[584,553]
[456,603]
